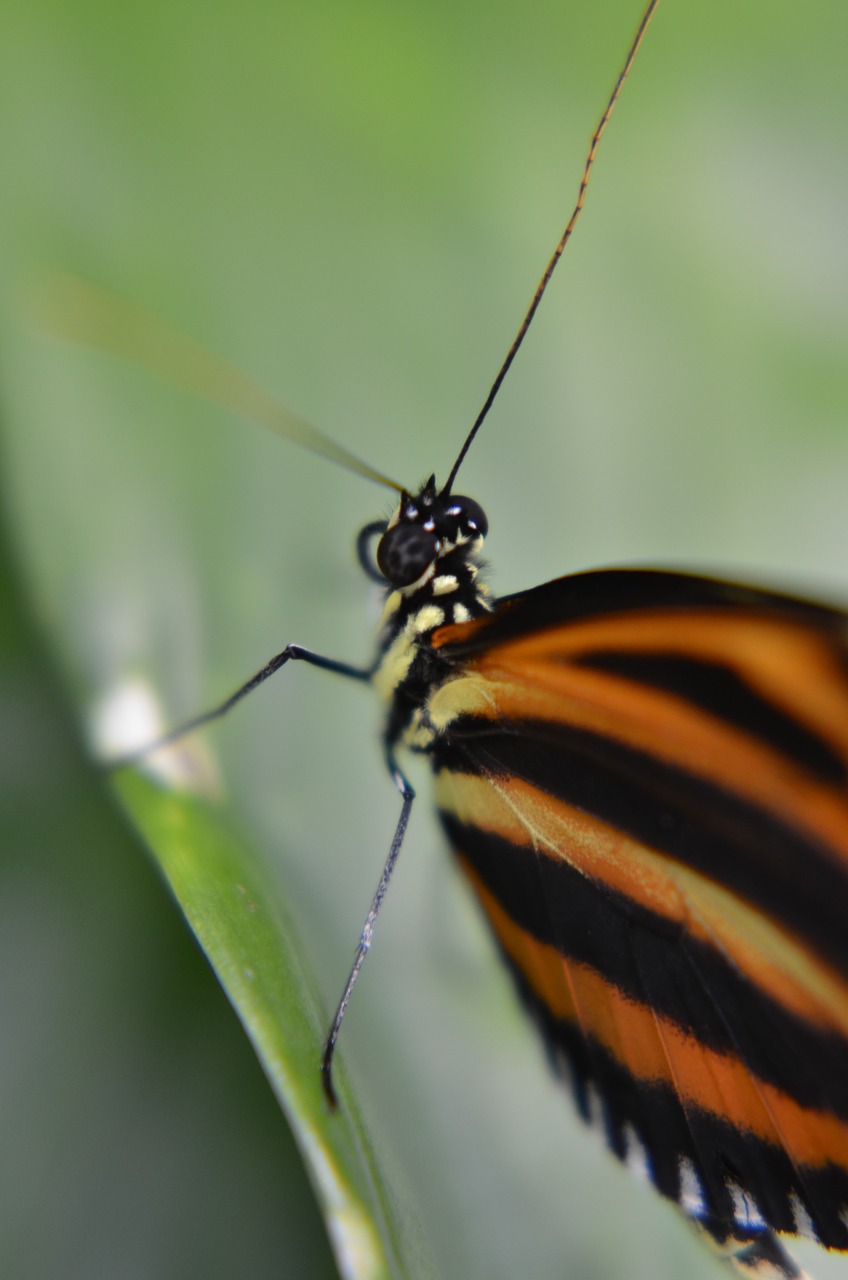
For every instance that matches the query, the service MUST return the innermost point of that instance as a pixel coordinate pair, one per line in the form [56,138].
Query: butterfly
[644,776]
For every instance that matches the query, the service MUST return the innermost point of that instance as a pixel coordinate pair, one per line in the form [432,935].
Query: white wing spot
[636,1158]
[803,1221]
[691,1198]
[745,1209]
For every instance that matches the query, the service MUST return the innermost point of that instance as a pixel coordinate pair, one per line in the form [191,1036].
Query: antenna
[563,241]
[77,311]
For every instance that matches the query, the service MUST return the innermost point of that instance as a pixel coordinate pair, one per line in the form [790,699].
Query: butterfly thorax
[428,555]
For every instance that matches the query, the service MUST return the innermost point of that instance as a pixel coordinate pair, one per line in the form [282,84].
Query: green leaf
[251,942]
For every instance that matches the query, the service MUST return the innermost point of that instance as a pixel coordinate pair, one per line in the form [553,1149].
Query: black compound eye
[471,516]
[405,552]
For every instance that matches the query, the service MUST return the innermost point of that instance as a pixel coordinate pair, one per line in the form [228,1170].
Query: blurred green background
[353,202]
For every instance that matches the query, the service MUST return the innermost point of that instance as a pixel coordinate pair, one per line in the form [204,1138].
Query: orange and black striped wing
[645,777]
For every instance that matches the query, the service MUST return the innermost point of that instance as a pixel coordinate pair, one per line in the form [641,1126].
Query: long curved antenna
[563,241]
[70,308]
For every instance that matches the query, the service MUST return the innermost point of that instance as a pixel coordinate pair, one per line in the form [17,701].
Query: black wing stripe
[654,1112]
[620,591]
[751,1022]
[596,926]
[781,870]
[720,691]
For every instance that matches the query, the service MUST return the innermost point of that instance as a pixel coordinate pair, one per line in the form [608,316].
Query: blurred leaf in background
[139,1135]
[354,204]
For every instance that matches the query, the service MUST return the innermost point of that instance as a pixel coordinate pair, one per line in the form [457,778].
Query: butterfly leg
[292,652]
[407,796]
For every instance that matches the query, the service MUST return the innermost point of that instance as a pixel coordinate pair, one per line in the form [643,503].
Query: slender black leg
[292,652]
[407,795]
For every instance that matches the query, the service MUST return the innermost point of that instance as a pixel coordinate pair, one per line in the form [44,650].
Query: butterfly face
[428,527]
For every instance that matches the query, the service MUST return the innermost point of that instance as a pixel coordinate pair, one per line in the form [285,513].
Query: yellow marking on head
[460,613]
[419,582]
[445,583]
[425,619]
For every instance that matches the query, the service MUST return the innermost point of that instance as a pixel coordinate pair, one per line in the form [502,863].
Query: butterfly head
[426,527]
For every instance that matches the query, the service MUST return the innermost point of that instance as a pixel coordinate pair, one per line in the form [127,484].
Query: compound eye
[471,514]
[405,552]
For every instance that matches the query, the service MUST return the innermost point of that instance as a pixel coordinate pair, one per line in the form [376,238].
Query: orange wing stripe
[653,1049]
[533,677]
[782,966]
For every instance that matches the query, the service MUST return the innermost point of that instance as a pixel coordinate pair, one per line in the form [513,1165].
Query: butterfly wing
[645,777]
